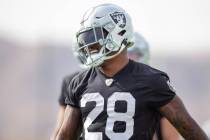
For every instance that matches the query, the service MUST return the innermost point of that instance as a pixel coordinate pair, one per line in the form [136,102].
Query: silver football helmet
[105,31]
[140,50]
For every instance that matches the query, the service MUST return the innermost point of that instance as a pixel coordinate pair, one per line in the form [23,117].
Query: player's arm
[176,113]
[168,132]
[70,127]
[59,121]
[62,107]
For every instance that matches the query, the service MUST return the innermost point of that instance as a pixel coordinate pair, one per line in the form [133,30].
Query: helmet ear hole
[122,32]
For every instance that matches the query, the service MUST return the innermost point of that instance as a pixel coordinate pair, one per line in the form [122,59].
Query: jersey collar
[123,72]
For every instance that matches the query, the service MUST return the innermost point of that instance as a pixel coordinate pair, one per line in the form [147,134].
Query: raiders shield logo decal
[119,19]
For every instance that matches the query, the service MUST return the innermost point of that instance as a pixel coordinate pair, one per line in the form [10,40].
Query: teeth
[94,51]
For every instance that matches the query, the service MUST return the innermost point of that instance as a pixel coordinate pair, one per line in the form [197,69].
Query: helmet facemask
[95,45]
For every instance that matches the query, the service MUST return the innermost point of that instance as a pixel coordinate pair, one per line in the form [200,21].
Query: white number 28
[113,116]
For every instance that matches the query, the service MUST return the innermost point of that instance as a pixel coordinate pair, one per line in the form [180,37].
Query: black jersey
[123,107]
[64,88]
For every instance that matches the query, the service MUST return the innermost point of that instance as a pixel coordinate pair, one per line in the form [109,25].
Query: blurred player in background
[206,128]
[140,52]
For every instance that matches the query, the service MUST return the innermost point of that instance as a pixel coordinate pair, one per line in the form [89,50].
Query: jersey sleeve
[71,98]
[63,93]
[162,92]
[64,88]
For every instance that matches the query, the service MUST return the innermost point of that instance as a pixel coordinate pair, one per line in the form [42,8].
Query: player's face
[90,39]
[90,42]
[92,49]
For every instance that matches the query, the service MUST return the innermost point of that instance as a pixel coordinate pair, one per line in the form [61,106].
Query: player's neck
[112,66]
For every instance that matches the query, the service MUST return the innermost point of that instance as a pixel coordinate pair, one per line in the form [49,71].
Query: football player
[117,98]
[140,52]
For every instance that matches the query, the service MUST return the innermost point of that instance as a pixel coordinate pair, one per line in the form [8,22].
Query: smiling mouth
[94,51]
[94,48]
